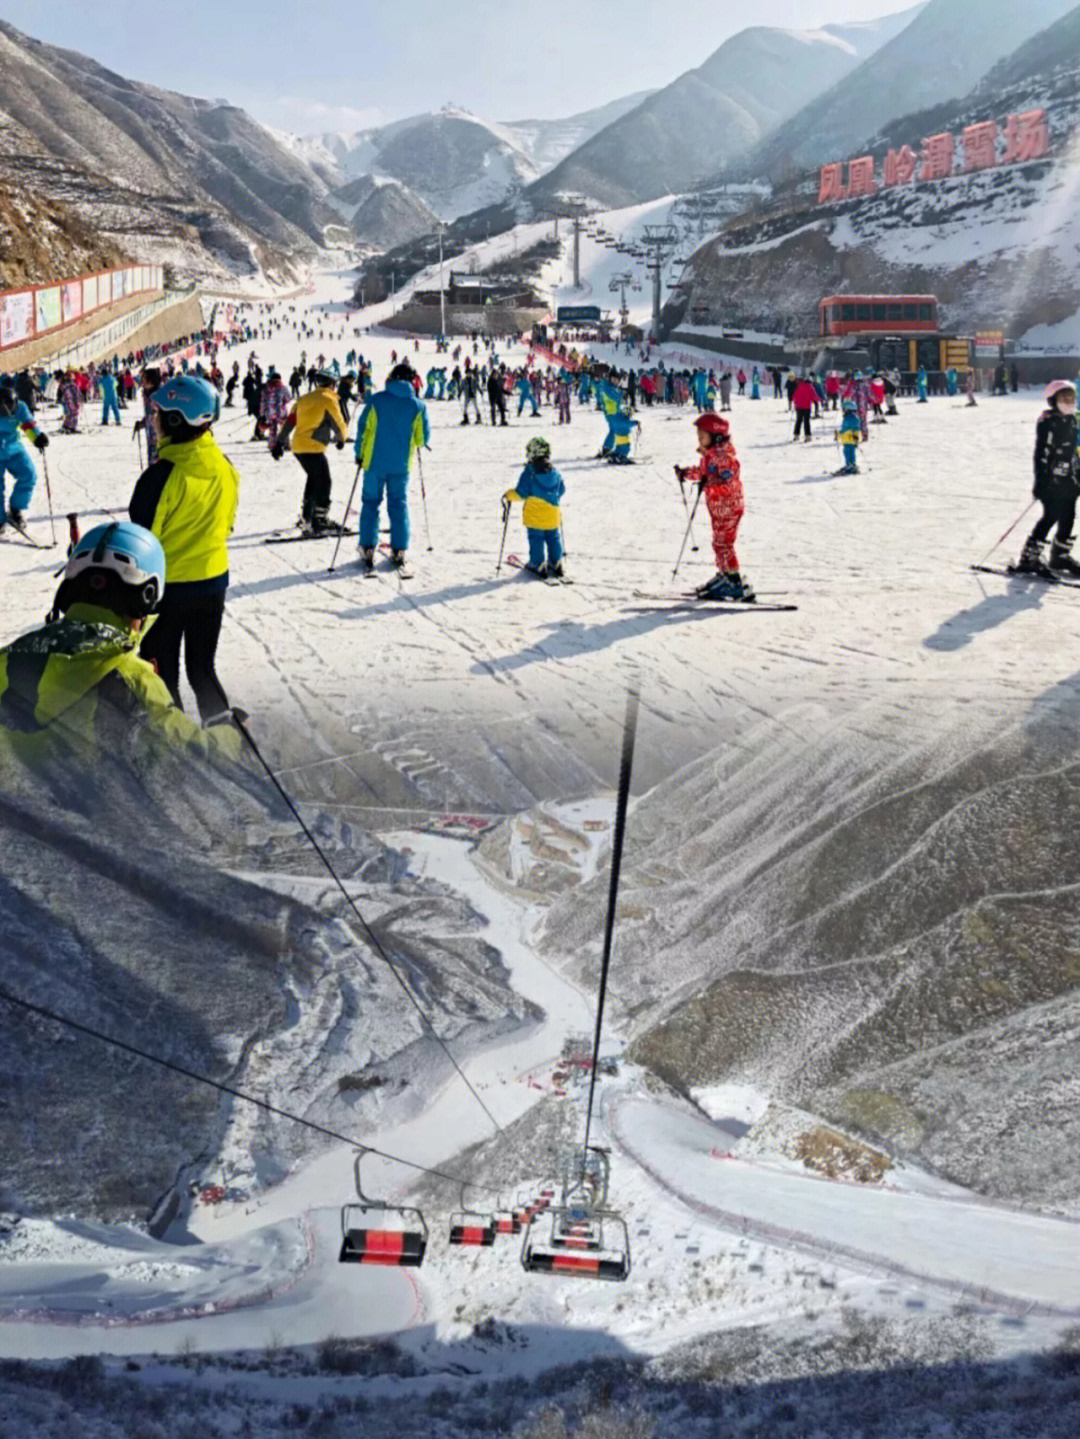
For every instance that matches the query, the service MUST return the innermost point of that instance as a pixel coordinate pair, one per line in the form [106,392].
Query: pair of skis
[515,562]
[291,537]
[1013,572]
[23,533]
[690,600]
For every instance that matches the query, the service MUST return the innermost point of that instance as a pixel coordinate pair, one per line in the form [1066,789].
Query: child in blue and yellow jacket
[849,435]
[540,487]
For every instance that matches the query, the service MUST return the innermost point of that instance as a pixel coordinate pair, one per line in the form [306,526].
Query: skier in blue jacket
[16,421]
[393,425]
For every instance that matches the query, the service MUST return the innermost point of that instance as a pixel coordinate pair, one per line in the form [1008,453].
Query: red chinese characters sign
[979,147]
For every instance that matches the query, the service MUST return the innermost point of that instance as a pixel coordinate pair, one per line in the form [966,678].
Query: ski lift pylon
[374,1232]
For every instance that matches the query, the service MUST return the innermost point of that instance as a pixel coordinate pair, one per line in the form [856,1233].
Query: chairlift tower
[623,281]
[659,241]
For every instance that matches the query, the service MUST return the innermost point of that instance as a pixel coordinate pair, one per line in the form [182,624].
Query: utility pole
[577,252]
[442,291]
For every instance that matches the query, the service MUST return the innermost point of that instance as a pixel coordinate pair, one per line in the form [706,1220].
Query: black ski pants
[194,622]
[317,488]
[498,410]
[1059,508]
[802,422]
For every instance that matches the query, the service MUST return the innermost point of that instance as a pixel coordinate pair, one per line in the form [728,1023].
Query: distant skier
[496,388]
[717,475]
[16,421]
[850,436]
[1056,477]
[541,488]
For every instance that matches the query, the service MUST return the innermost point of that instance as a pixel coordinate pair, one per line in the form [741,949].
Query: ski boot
[726,587]
[1061,560]
[367,558]
[398,559]
[540,570]
[17,518]
[555,571]
[1031,561]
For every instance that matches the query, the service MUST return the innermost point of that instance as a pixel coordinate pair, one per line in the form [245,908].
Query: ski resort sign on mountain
[981,147]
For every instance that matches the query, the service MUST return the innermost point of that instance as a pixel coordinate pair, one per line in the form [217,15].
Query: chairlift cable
[622,802]
[17,1002]
[372,938]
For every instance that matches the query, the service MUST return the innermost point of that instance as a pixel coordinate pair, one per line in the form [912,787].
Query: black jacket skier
[1056,483]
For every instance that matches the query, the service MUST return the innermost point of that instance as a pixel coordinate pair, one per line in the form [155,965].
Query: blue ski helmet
[128,551]
[193,398]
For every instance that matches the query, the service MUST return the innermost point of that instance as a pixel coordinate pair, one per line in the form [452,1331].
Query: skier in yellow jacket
[188,499]
[314,422]
[78,684]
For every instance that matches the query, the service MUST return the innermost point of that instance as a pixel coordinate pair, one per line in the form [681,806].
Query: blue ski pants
[395,488]
[21,468]
[543,542]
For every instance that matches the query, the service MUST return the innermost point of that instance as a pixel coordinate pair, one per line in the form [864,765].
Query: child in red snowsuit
[717,474]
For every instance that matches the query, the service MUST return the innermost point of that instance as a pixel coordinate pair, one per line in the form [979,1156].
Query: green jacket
[78,684]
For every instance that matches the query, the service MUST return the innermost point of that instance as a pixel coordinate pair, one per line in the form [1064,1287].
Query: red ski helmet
[713,425]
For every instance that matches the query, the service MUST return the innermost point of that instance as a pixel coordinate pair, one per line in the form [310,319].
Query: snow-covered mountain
[711,115]
[998,246]
[385,212]
[547,142]
[940,56]
[452,161]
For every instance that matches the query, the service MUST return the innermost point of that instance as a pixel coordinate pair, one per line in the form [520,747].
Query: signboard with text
[983,146]
[578,314]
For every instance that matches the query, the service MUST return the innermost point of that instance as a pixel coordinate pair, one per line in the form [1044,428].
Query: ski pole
[1006,535]
[423,496]
[502,542]
[686,507]
[73,531]
[138,437]
[345,519]
[690,522]
[48,494]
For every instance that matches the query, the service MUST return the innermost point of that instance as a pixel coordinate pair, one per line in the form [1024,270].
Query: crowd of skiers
[169,559]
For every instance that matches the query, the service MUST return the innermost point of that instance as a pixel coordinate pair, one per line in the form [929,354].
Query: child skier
[1056,435]
[541,488]
[717,474]
[849,436]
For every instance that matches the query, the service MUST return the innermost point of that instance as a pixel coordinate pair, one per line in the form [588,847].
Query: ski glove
[341,444]
[277,451]
[506,512]
[42,442]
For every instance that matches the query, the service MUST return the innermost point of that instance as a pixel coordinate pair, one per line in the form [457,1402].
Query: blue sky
[324,65]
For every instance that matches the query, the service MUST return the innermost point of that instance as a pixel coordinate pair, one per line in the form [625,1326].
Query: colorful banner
[26,313]
[983,146]
[71,301]
[48,308]
[16,317]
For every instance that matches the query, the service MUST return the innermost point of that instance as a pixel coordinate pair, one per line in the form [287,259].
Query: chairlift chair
[374,1232]
[469,1228]
[577,1243]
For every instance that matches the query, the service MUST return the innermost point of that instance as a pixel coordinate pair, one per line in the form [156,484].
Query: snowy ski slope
[441,678]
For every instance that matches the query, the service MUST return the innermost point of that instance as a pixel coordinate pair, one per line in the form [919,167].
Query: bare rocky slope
[179,908]
[882,930]
[167,175]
